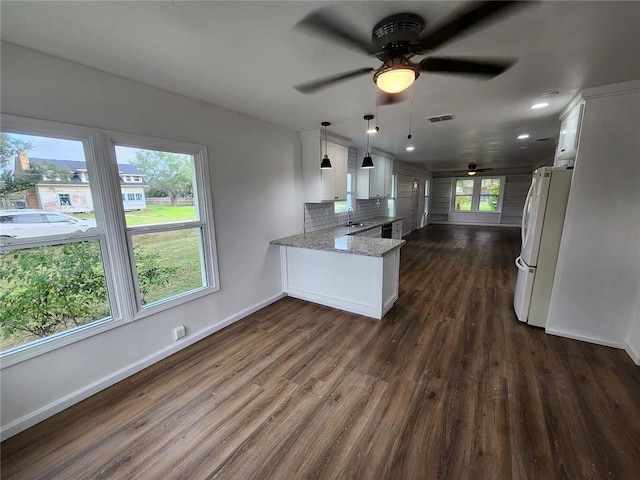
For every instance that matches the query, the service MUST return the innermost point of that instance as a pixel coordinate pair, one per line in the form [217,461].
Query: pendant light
[326,163]
[367,161]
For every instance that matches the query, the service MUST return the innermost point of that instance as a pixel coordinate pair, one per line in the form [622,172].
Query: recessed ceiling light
[522,136]
[552,93]
[535,106]
[410,148]
[522,148]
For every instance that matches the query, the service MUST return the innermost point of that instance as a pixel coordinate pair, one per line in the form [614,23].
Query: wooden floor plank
[449,385]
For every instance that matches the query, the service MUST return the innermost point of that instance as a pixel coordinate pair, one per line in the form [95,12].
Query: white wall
[633,338]
[254,166]
[598,273]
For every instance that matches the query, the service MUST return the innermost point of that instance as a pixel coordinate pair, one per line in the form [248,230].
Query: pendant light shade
[367,161]
[326,162]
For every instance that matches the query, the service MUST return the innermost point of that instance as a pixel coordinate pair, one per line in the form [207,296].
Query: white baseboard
[633,353]
[60,404]
[583,338]
[475,224]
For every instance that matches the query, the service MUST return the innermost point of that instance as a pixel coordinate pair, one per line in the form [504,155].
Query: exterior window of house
[477,194]
[64,199]
[158,257]
[391,201]
[127,178]
[124,198]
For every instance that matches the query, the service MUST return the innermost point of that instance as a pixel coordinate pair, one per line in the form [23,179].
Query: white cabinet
[375,182]
[396,230]
[371,233]
[324,185]
[569,136]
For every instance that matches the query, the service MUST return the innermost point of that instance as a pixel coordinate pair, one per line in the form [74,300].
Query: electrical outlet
[179,332]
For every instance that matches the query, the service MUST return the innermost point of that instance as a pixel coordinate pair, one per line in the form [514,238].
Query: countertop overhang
[345,239]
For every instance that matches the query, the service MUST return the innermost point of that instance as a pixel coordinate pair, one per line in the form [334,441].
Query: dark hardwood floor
[448,385]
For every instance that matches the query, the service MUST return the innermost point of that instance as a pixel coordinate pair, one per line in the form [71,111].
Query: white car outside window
[38,223]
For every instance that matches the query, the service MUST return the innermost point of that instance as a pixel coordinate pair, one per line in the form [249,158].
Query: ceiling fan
[472,169]
[397,38]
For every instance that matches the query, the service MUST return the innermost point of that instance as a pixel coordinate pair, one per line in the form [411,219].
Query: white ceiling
[246,56]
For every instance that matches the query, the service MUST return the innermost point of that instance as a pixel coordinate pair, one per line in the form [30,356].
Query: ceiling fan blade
[469,16]
[321,23]
[311,87]
[466,66]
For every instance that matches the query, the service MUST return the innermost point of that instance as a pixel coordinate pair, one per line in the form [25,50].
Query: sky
[63,149]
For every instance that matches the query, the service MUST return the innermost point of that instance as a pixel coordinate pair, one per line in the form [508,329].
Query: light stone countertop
[345,240]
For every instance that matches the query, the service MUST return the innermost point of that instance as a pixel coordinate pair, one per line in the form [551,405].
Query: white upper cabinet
[324,185]
[569,136]
[375,182]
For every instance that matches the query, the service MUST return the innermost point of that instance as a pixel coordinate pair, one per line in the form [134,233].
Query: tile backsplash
[321,215]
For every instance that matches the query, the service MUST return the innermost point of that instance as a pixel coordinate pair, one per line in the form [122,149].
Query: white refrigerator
[542,222]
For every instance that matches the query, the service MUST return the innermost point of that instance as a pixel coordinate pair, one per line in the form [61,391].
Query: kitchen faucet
[349,212]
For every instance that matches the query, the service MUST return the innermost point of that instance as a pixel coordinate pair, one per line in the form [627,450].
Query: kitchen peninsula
[343,268]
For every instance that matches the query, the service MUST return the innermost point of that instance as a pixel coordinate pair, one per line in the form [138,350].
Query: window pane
[464,187]
[463,203]
[168,264]
[49,290]
[488,203]
[40,175]
[340,207]
[157,187]
[489,193]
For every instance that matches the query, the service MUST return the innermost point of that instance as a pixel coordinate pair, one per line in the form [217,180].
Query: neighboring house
[73,194]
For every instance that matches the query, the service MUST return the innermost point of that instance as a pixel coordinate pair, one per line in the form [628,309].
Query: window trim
[119,271]
[475,196]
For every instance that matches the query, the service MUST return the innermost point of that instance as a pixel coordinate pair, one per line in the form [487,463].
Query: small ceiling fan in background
[398,38]
[472,169]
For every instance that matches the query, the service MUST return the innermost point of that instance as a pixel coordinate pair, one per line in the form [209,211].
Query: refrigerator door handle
[522,266]
[524,212]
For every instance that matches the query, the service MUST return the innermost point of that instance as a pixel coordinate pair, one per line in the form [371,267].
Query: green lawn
[155,214]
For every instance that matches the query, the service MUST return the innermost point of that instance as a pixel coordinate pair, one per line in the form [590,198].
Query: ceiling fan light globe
[471,173]
[395,80]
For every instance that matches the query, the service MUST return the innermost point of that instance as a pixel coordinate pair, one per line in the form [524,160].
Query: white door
[524,288]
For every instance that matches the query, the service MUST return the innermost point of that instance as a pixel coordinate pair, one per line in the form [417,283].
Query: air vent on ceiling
[545,139]
[441,118]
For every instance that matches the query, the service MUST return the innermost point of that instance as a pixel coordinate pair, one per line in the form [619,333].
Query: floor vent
[441,118]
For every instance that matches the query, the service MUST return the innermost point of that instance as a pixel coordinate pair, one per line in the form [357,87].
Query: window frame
[475,196]
[111,233]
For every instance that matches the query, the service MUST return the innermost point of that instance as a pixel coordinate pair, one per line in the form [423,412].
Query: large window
[477,194]
[84,256]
